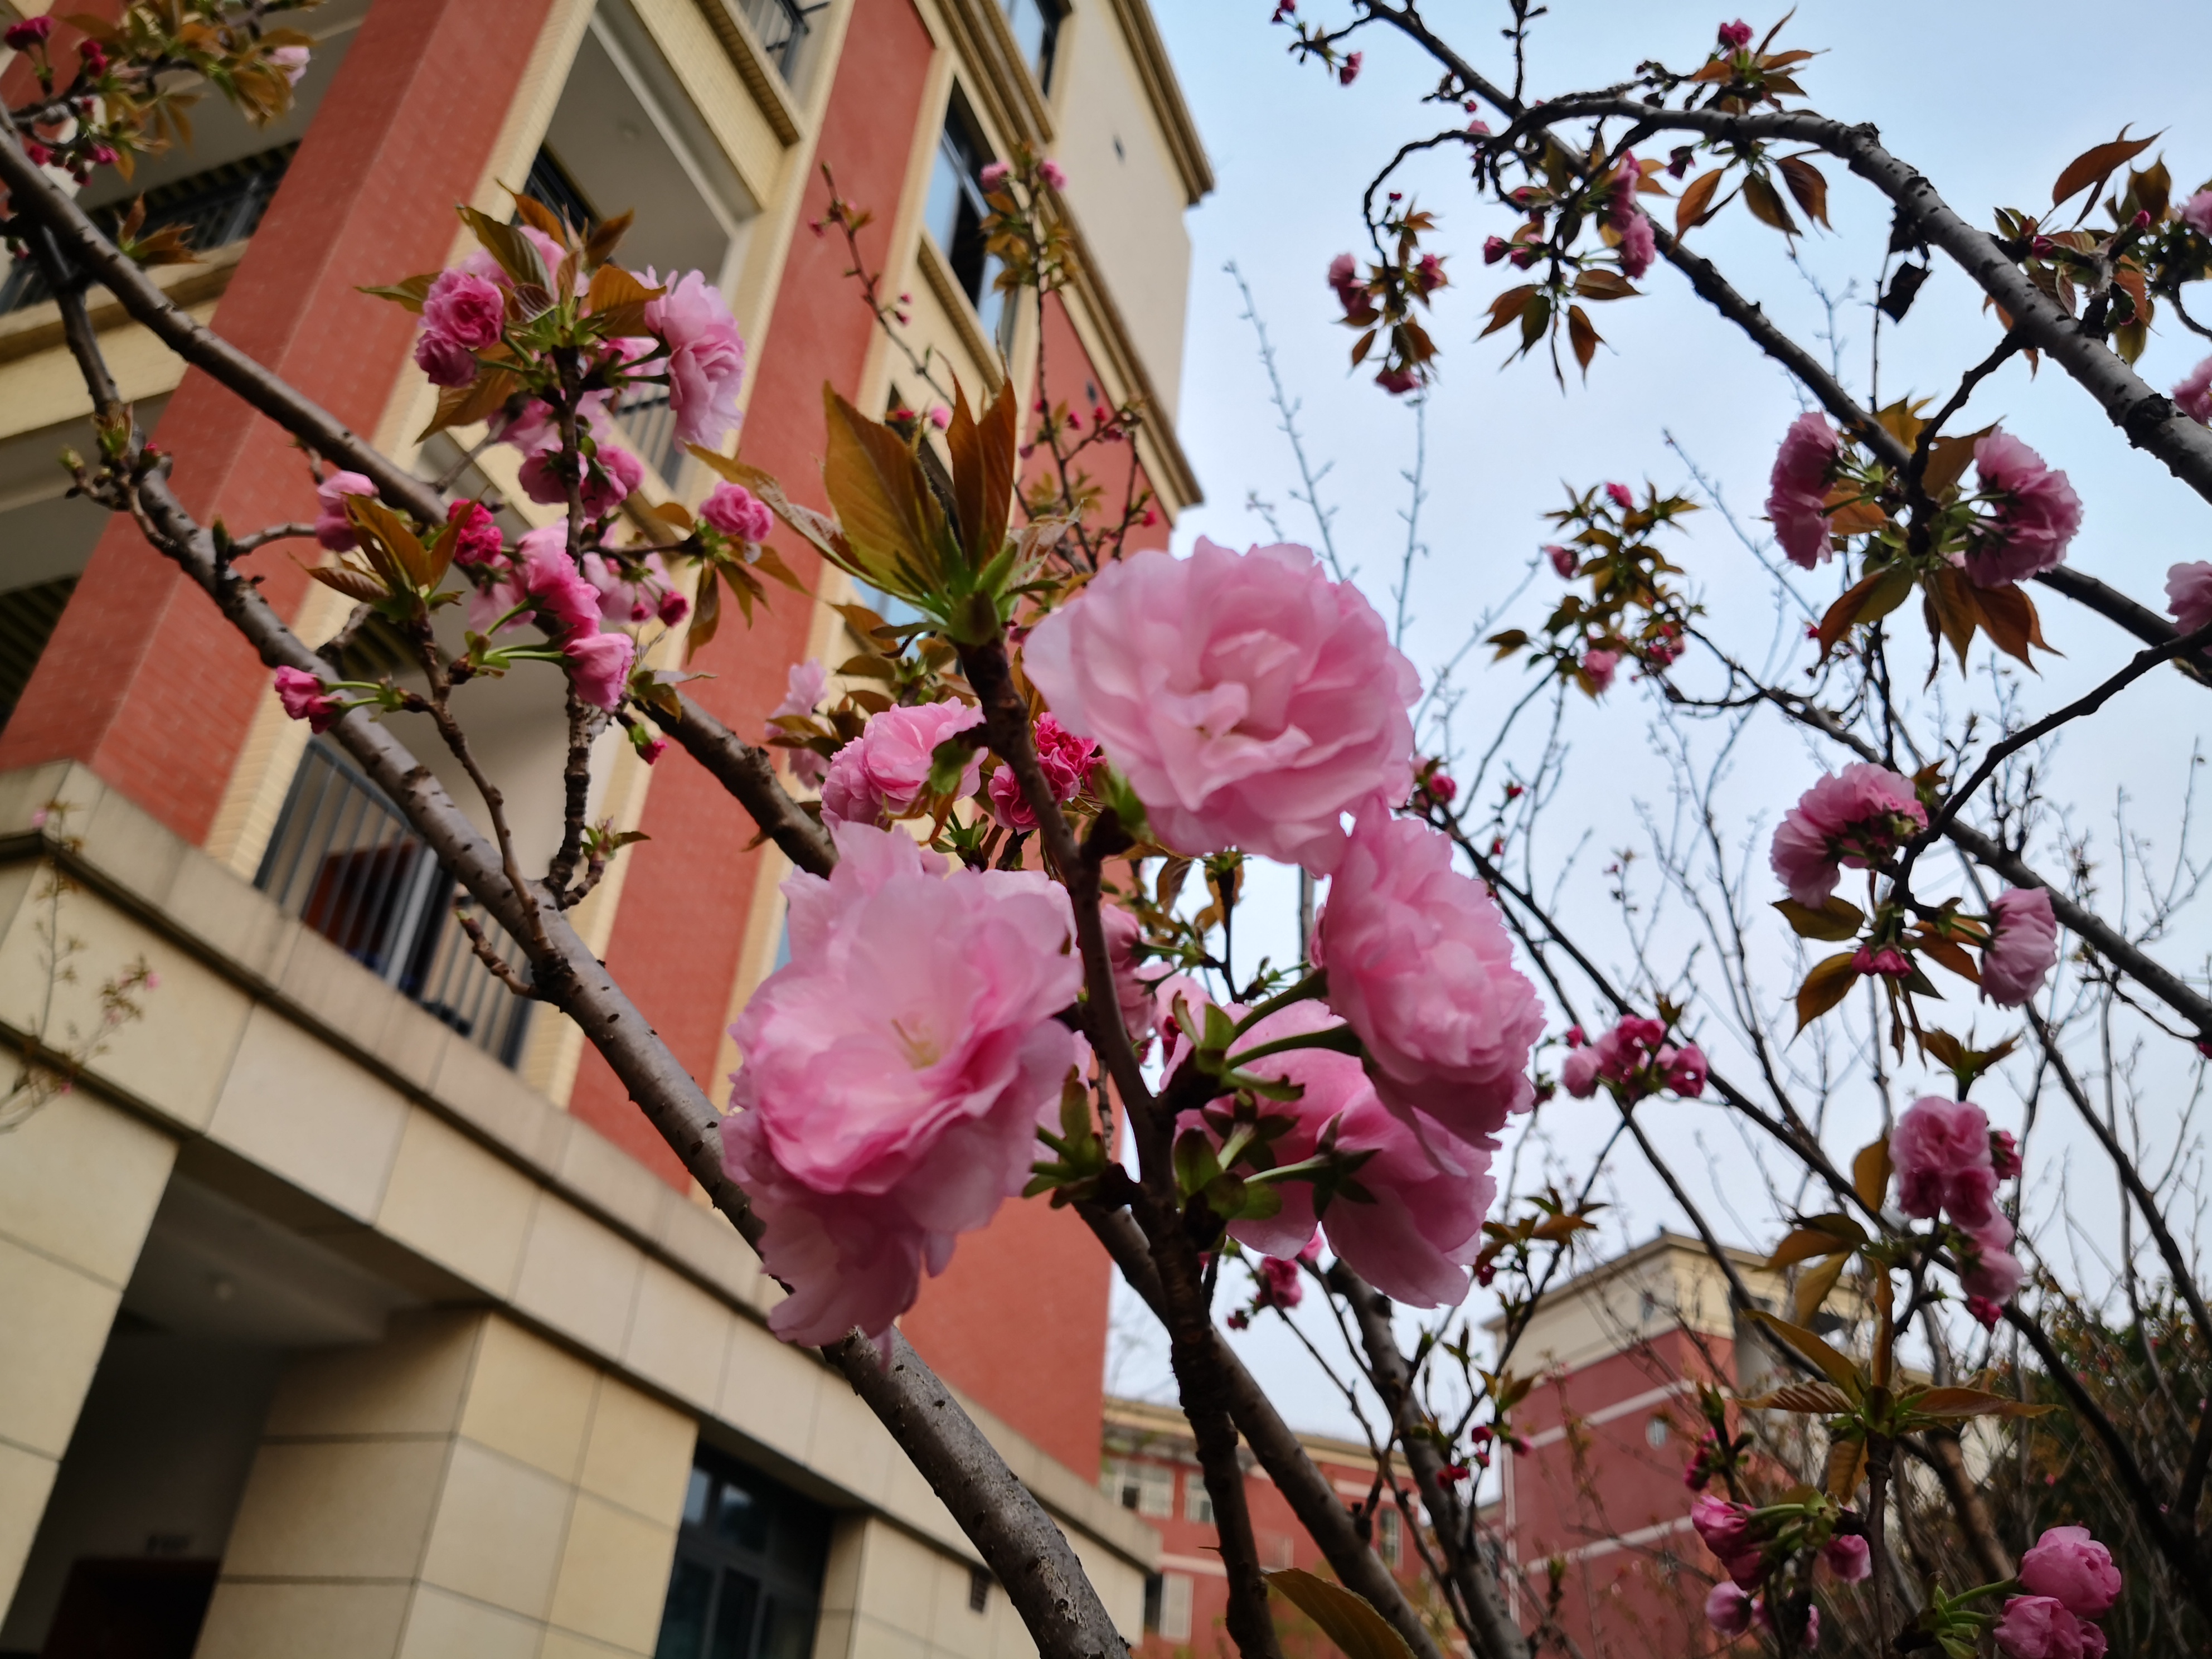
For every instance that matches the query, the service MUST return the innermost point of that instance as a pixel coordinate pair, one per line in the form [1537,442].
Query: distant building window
[1197,1502]
[1390,1537]
[1173,1620]
[1654,1433]
[957,209]
[1147,1488]
[748,1573]
[1036,26]
[979,1589]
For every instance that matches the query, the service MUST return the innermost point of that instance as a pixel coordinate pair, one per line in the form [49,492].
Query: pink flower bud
[1350,72]
[1728,1610]
[1621,496]
[1051,173]
[994,176]
[1494,249]
[2074,1569]
[32,32]
[305,699]
[1848,1556]
[1735,36]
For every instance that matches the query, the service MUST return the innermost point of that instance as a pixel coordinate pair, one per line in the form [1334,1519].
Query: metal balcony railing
[782,26]
[216,208]
[346,861]
[649,421]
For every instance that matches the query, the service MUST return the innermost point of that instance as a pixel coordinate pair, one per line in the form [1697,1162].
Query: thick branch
[749,774]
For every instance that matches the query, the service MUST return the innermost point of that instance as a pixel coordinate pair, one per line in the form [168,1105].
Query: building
[347,1306]
[1149,1465]
[1596,1494]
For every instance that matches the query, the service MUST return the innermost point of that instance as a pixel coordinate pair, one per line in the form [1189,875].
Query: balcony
[216,208]
[781,26]
[345,862]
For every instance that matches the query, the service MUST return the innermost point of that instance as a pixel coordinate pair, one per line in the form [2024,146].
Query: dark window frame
[746,1582]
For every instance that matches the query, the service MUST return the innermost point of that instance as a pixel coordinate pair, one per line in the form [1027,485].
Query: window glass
[1036,26]
[956,210]
[748,1573]
[1197,1502]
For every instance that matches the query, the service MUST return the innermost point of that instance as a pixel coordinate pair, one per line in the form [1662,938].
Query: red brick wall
[143,680]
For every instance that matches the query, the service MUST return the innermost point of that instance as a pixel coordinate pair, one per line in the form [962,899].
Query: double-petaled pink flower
[1417,1230]
[477,539]
[895,1073]
[600,666]
[2073,1570]
[1420,967]
[2023,946]
[564,601]
[1638,244]
[884,772]
[609,478]
[306,698]
[1940,1149]
[1854,816]
[2040,1627]
[706,361]
[802,693]
[462,314]
[2193,394]
[2036,516]
[332,528]
[2189,593]
[1726,1528]
[1250,700]
[736,511]
[1798,488]
[1066,761]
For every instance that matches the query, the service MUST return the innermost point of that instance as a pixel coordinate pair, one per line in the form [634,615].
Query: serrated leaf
[1847,1461]
[1765,204]
[1828,984]
[600,245]
[1347,1619]
[1959,1405]
[1812,1399]
[1696,206]
[1870,1173]
[1836,919]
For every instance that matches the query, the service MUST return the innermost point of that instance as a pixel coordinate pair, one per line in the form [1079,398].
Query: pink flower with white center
[706,356]
[332,528]
[2023,946]
[2073,1569]
[2036,517]
[1601,665]
[1854,816]
[1942,1151]
[2192,395]
[895,1073]
[1420,966]
[290,62]
[465,308]
[1417,1235]
[555,588]
[1053,173]
[477,540]
[305,698]
[1848,1556]
[2196,213]
[1728,1609]
[600,666]
[2040,1627]
[1250,700]
[884,772]
[1798,486]
[1066,760]
[737,512]
[2189,592]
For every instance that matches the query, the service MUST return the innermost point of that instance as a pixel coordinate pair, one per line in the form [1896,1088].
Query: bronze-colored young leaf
[1947,463]
[983,454]
[2008,618]
[2093,165]
[1814,1285]
[890,521]
[515,254]
[1952,611]
[1836,919]
[706,615]
[1805,1244]
[1584,339]
[769,563]
[1598,283]
[1828,984]
[1507,306]
[1952,955]
[1958,1405]
[409,291]
[1765,204]
[1810,1399]
[465,405]
[388,542]
[818,529]
[1696,205]
[613,289]
[535,214]
[354,583]
[1835,1367]
[1847,1462]
[1870,1173]
[599,247]
[1808,184]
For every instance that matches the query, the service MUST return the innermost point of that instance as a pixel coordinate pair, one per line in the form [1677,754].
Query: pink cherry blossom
[1418,1233]
[600,666]
[1848,1556]
[1134,981]
[1281,1283]
[1600,667]
[706,356]
[624,599]
[1726,1528]
[1053,173]
[1621,496]
[2036,517]
[2073,1569]
[2196,213]
[895,1073]
[1685,1070]
[291,62]
[2193,394]
[1250,700]
[1799,485]
[2004,1155]
[1887,963]
[1066,760]
[1420,966]
[1941,1151]
[1728,1609]
[736,511]
[802,693]
[562,598]
[2189,592]
[884,772]
[305,699]
[443,360]
[2023,946]
[1578,1073]
[609,478]
[1848,818]
[477,539]
[332,528]
[466,309]
[1563,561]
[2039,1627]
[993,175]
[1735,36]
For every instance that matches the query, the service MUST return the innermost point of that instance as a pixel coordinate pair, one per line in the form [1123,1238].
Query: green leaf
[1347,1619]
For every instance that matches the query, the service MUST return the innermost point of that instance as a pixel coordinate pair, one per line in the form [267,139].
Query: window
[979,1589]
[748,1570]
[956,212]
[1167,1606]
[1197,1502]
[1036,26]
[1147,1488]
[1390,1537]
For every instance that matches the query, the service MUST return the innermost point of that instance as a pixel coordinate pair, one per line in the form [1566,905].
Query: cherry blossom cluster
[1948,1167]
[2067,1581]
[1633,1060]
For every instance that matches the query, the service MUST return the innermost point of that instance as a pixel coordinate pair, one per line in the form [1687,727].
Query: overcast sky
[1990,98]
